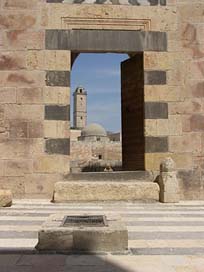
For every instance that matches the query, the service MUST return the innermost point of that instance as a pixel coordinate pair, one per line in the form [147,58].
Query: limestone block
[56,95]
[48,60]
[15,184]
[175,125]
[190,142]
[186,107]
[5,198]
[7,95]
[25,112]
[51,164]
[22,79]
[56,129]
[104,191]
[29,95]
[17,167]
[35,129]
[113,237]
[157,60]
[21,20]
[18,39]
[57,60]
[162,93]
[20,4]
[40,185]
[12,60]
[15,148]
[183,160]
[55,239]
[169,188]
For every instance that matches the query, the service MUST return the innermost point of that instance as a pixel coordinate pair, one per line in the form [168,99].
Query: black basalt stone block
[56,112]
[155,77]
[156,144]
[87,40]
[156,110]
[57,146]
[58,78]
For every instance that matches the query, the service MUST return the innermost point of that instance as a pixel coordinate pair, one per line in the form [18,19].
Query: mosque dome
[93,130]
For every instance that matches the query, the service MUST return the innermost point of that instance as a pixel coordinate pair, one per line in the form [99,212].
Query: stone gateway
[162,86]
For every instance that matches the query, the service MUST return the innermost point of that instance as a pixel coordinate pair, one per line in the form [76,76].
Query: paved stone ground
[162,238]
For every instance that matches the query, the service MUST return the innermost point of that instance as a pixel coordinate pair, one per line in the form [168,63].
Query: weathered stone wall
[87,151]
[190,109]
[34,86]
[34,117]
[184,95]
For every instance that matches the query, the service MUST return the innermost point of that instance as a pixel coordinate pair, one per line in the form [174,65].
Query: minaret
[80,108]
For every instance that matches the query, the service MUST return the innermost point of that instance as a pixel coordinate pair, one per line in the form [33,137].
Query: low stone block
[66,191]
[5,198]
[54,235]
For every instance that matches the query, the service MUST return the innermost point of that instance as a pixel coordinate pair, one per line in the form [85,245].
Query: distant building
[91,146]
[80,108]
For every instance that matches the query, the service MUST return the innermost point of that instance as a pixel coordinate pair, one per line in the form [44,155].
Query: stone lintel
[125,41]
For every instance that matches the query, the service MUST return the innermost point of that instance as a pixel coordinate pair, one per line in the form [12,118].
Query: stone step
[67,191]
[124,176]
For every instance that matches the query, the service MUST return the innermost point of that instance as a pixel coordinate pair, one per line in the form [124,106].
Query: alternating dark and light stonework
[114,2]
[36,43]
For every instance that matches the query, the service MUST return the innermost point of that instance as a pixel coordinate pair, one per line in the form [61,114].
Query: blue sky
[99,74]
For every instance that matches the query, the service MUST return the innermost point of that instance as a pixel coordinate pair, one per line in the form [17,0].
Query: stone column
[169,188]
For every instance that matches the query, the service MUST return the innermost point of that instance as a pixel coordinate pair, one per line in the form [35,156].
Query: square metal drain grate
[85,220]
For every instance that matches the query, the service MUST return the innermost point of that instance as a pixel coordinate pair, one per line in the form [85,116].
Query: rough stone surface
[167,165]
[94,191]
[55,236]
[5,198]
[169,187]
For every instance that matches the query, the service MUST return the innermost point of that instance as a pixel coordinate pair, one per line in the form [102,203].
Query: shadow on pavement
[18,262]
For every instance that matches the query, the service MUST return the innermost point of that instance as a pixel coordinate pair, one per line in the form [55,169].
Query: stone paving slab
[99,263]
[163,238]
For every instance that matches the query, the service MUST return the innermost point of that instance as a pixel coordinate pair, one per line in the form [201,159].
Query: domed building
[94,132]
[91,147]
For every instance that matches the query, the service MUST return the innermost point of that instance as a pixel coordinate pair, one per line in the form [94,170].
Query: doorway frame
[75,41]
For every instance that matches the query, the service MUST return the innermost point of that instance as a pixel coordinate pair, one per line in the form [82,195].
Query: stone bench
[66,191]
